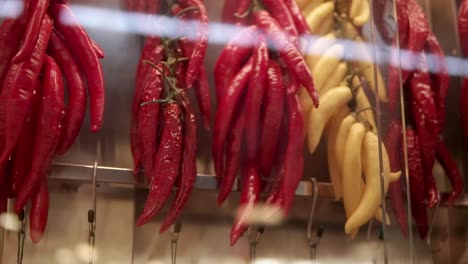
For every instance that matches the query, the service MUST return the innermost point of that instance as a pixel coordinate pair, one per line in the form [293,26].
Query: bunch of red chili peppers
[257,78]
[163,133]
[425,91]
[35,123]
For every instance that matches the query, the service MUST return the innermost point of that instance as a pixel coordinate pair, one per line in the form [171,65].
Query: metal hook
[21,235]
[175,230]
[443,237]
[313,243]
[92,217]
[253,242]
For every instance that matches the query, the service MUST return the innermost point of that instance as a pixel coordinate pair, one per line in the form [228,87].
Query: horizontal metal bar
[114,175]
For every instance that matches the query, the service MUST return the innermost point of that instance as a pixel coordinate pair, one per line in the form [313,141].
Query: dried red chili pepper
[288,51]
[23,155]
[424,114]
[294,155]
[418,207]
[393,145]
[202,92]
[76,92]
[79,44]
[198,56]
[167,163]
[36,12]
[297,16]
[250,184]
[11,32]
[273,110]
[189,167]
[233,155]
[225,113]
[47,133]
[229,9]
[18,87]
[450,167]
[254,100]
[39,213]
[232,57]
[279,11]
[148,119]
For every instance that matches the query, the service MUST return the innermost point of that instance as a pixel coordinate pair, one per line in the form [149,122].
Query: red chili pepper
[232,57]
[202,92]
[450,167]
[76,92]
[148,120]
[441,79]
[288,51]
[23,155]
[167,163]
[39,213]
[299,20]
[78,42]
[11,32]
[281,13]
[99,51]
[18,88]
[36,12]
[153,6]
[4,183]
[152,51]
[463,27]
[229,9]
[199,50]
[225,113]
[250,194]
[47,133]
[233,155]
[189,167]
[294,156]
[272,117]
[393,145]
[254,100]
[418,207]
[424,114]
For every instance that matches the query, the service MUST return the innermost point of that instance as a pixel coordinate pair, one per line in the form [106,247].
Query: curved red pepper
[393,145]
[202,92]
[167,163]
[297,16]
[288,51]
[418,207]
[280,12]
[152,51]
[18,88]
[36,12]
[198,56]
[233,155]
[294,155]
[77,98]
[47,133]
[189,167]
[148,116]
[273,110]
[229,9]
[225,113]
[11,32]
[39,213]
[463,27]
[78,42]
[22,157]
[424,114]
[250,184]
[232,57]
[450,167]
[254,98]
